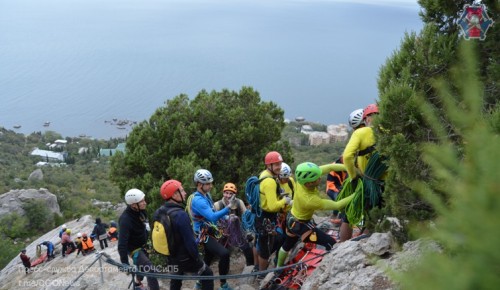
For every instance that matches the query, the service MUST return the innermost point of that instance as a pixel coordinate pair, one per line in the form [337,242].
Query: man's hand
[232,201]
[288,200]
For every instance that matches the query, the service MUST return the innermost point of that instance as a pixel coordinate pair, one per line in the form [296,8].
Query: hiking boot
[197,286]
[225,286]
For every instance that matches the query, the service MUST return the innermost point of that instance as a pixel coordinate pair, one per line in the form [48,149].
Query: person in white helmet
[133,236]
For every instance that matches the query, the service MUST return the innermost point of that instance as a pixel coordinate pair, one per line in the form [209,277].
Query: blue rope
[252,192]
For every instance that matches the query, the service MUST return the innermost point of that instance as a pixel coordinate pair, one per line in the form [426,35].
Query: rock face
[13,200]
[36,175]
[350,265]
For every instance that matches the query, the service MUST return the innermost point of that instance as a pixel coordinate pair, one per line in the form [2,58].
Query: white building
[48,156]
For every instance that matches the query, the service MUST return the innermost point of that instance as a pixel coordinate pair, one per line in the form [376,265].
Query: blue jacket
[202,209]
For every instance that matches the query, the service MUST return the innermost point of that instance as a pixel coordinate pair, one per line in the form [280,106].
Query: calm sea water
[81,63]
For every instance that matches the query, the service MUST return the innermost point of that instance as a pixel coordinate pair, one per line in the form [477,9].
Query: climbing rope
[133,270]
[232,234]
[367,193]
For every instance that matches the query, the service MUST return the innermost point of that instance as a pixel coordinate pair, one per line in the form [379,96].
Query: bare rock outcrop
[350,265]
[14,200]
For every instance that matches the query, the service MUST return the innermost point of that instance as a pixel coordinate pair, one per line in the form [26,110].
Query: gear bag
[162,236]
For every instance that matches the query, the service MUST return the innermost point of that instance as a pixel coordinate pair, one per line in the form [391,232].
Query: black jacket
[132,233]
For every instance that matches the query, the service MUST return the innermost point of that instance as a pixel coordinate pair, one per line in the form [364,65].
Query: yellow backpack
[163,235]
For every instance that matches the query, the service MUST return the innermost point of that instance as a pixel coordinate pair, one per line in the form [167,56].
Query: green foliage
[405,80]
[14,226]
[468,173]
[226,132]
[9,250]
[39,216]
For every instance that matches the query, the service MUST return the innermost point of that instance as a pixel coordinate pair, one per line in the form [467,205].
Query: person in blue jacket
[204,222]
[50,249]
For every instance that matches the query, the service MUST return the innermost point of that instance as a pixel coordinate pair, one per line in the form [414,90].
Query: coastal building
[333,134]
[107,152]
[49,156]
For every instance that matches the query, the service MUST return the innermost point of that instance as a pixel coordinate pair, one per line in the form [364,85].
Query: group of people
[287,206]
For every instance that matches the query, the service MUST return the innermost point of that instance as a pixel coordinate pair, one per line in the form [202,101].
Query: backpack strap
[290,184]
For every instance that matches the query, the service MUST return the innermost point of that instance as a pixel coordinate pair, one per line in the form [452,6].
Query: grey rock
[36,175]
[14,200]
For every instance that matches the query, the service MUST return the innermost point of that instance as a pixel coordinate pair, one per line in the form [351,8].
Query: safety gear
[370,109]
[286,171]
[134,195]
[169,188]
[79,235]
[63,227]
[230,187]
[356,118]
[307,172]
[273,157]
[68,231]
[203,176]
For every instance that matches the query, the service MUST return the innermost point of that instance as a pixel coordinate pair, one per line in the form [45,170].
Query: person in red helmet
[185,258]
[356,155]
[271,203]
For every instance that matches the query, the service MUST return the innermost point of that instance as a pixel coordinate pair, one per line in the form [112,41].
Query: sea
[95,68]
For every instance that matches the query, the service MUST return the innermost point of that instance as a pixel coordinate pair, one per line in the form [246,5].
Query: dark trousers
[321,239]
[144,265]
[188,265]
[103,244]
[248,253]
[213,249]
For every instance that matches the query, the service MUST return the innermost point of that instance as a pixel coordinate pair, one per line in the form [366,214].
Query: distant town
[334,133]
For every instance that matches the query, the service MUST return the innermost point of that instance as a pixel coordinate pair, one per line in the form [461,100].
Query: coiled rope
[232,233]
[367,193]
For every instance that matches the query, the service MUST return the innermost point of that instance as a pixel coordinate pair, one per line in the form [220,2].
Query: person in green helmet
[307,199]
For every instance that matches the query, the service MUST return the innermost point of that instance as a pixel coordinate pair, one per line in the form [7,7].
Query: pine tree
[407,78]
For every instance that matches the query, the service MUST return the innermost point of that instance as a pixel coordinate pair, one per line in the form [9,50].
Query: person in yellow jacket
[356,155]
[358,150]
[271,203]
[307,199]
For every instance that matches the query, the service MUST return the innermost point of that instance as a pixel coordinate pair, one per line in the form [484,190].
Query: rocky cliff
[350,265]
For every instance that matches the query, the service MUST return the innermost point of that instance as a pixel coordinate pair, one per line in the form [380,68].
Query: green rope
[367,193]
[372,180]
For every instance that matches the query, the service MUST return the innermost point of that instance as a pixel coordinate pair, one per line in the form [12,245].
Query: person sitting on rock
[68,246]
[113,232]
[86,244]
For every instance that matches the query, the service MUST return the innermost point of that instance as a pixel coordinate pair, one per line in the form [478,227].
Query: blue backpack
[252,193]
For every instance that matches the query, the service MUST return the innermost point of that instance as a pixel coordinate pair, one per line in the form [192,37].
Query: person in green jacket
[307,200]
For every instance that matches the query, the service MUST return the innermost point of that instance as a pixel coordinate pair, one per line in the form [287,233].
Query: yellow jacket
[361,139]
[306,201]
[268,197]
